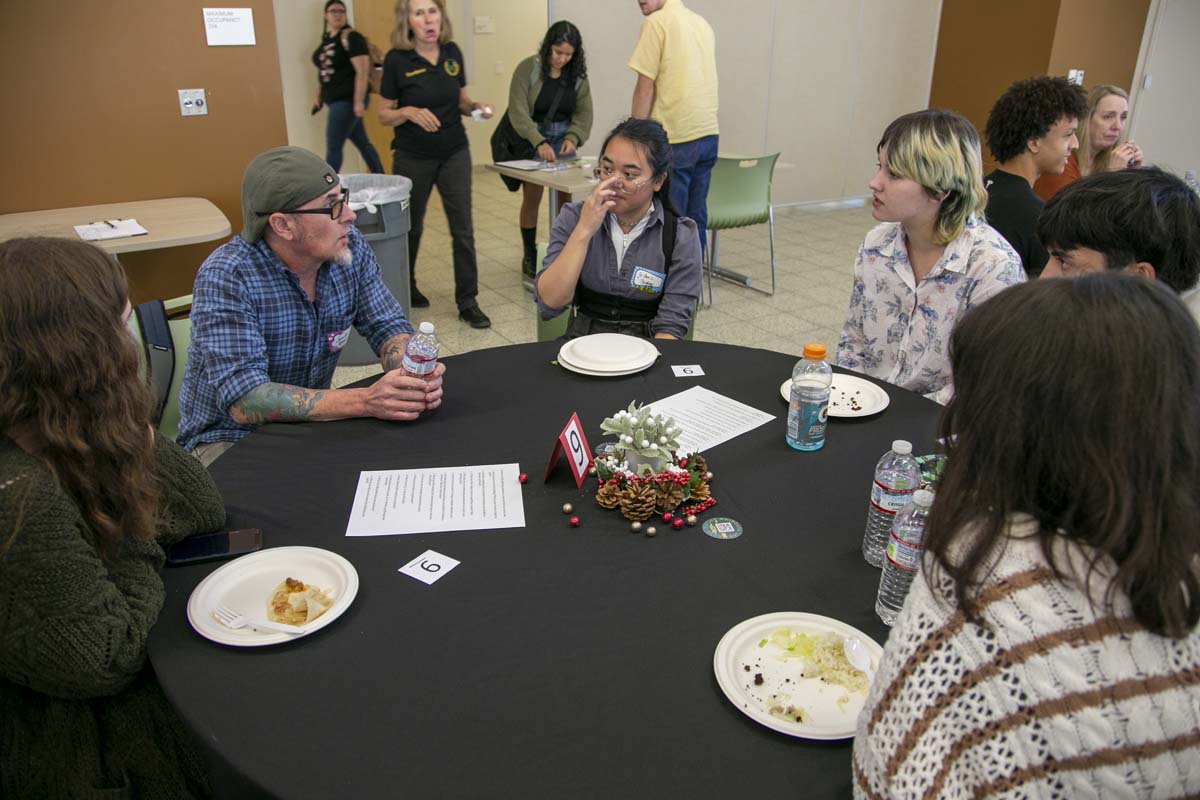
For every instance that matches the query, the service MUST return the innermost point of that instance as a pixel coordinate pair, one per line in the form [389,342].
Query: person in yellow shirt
[675,60]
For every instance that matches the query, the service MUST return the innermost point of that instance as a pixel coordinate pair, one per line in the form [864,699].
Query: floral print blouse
[898,330]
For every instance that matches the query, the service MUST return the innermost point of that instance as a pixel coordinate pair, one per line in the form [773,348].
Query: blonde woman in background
[930,260]
[1103,146]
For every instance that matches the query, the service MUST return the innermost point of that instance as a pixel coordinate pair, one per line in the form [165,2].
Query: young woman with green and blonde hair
[930,260]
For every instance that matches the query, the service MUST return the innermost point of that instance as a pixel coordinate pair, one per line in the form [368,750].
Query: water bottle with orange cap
[809,406]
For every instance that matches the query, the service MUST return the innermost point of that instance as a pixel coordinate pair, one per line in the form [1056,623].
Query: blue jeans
[691,168]
[342,125]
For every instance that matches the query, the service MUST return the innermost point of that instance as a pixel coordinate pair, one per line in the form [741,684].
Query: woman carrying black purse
[549,116]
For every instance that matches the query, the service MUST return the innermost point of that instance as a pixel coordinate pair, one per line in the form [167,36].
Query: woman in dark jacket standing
[343,66]
[550,106]
[425,98]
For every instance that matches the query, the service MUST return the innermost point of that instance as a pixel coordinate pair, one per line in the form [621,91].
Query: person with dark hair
[929,260]
[1031,132]
[676,64]
[343,62]
[1050,645]
[1104,145]
[89,497]
[623,260]
[1145,221]
[424,93]
[273,307]
[550,107]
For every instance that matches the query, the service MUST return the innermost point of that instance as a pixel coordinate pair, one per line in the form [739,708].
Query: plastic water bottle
[897,475]
[809,407]
[421,353]
[905,549]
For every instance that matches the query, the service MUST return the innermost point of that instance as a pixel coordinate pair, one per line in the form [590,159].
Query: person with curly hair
[89,497]
[1031,132]
[1104,145]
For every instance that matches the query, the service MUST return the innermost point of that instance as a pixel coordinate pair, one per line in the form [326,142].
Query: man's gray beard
[344,257]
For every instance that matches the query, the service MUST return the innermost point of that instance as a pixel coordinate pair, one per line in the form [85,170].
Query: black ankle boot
[417,299]
[529,261]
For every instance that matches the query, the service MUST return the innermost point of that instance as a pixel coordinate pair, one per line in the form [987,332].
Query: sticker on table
[722,528]
[429,566]
[687,370]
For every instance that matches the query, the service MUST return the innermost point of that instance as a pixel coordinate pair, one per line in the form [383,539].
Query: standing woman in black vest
[622,259]
[425,98]
[343,65]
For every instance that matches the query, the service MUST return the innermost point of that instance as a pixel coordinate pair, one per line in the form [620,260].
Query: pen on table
[104,222]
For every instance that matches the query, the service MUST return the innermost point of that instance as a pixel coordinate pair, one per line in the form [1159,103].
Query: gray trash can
[386,230]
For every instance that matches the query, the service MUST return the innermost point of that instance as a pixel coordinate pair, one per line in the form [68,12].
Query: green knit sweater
[81,714]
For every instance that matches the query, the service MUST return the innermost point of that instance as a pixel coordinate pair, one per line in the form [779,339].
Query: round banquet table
[552,662]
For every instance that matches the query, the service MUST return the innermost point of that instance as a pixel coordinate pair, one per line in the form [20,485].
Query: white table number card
[429,566]
[687,370]
[229,26]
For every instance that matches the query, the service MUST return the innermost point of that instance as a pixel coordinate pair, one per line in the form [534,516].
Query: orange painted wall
[92,115]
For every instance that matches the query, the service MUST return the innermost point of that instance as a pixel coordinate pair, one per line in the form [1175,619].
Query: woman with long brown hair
[88,498]
[1050,646]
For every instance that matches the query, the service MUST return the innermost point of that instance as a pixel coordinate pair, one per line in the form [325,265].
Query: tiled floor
[814,259]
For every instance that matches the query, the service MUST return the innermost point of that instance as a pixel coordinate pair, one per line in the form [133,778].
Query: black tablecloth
[553,662]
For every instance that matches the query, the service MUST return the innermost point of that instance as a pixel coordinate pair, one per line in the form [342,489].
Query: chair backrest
[739,192]
[181,335]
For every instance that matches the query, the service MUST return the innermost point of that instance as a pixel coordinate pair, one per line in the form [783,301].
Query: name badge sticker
[337,340]
[647,280]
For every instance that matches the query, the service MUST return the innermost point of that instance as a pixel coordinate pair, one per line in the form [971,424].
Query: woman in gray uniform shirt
[622,260]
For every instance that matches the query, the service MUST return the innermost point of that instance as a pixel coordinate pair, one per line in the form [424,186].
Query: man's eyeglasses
[629,183]
[334,210]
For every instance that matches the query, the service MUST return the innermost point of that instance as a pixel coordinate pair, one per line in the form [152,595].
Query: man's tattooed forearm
[277,402]
[392,353]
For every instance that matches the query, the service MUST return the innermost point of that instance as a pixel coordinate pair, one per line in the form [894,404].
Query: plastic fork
[231,618]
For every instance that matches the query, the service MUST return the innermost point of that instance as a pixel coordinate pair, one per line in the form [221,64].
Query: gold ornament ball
[567,508]
[691,520]
[651,531]
[635,526]
[591,471]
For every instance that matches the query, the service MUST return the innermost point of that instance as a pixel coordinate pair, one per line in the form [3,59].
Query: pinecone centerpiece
[645,475]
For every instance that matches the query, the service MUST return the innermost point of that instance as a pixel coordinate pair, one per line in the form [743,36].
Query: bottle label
[889,501]
[807,418]
[905,555]
[418,368]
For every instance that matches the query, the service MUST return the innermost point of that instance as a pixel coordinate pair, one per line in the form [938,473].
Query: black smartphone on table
[213,546]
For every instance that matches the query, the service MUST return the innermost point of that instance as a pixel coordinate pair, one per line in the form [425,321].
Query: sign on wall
[229,26]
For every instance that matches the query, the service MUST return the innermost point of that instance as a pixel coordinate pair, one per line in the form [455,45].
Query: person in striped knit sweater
[1050,647]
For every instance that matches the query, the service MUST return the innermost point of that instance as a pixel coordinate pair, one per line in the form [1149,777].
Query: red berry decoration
[677,524]
[668,516]
[575,523]
[523,477]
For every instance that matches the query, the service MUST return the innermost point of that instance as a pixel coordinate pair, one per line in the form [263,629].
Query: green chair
[550,329]
[181,336]
[739,195]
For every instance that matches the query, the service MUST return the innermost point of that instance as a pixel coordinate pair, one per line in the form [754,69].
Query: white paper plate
[739,649]
[625,369]
[567,365]
[844,392]
[608,352]
[245,584]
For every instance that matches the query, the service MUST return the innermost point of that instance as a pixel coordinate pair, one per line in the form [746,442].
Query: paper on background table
[708,418]
[110,229]
[435,500]
[521,163]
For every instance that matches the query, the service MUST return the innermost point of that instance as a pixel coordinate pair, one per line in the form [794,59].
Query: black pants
[452,176]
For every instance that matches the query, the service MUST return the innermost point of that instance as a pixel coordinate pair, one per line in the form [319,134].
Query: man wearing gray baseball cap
[273,307]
